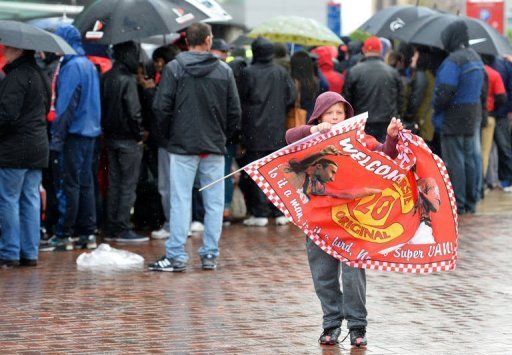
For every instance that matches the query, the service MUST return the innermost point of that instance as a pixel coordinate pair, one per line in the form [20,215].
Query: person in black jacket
[198,100]
[24,102]
[122,128]
[268,91]
[157,139]
[373,86]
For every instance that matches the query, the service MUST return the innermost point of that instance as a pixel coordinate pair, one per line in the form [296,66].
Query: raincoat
[24,102]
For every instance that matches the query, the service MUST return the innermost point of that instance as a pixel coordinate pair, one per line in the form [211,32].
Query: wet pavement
[261,300]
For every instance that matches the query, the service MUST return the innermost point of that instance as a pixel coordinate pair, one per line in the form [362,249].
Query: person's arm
[297,133]
[11,102]
[447,79]
[68,98]
[499,101]
[164,101]
[389,146]
[132,108]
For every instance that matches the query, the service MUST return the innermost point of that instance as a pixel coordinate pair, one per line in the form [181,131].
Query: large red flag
[361,206]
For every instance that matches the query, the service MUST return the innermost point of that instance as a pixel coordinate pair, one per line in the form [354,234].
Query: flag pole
[363,115]
[222,178]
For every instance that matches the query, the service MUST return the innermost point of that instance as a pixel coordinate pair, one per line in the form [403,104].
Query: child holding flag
[331,108]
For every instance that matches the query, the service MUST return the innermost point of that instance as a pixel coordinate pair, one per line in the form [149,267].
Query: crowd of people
[110,145]
[87,152]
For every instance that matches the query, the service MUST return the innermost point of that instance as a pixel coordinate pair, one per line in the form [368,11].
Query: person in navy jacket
[458,111]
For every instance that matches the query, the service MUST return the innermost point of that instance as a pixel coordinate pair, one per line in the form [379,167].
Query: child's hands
[322,127]
[394,127]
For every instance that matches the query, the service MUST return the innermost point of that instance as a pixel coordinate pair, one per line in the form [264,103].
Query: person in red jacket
[331,108]
[326,55]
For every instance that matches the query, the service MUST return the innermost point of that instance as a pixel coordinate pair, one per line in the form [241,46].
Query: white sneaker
[256,221]
[160,234]
[282,221]
[196,227]
[507,189]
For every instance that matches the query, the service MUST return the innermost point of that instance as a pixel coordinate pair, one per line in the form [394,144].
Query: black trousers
[504,145]
[124,158]
[257,203]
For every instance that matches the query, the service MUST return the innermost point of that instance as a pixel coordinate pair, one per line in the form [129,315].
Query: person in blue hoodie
[74,132]
[458,111]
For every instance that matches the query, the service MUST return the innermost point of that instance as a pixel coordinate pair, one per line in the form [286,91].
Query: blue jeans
[79,215]
[183,169]
[20,213]
[459,157]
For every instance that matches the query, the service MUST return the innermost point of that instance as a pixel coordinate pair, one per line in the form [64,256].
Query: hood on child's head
[326,100]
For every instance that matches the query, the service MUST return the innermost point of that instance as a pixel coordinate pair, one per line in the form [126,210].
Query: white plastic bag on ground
[106,256]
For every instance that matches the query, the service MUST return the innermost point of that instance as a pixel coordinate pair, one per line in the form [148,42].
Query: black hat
[219,44]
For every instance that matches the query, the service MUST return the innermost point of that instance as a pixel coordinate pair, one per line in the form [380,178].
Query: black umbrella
[483,38]
[116,21]
[25,36]
[387,21]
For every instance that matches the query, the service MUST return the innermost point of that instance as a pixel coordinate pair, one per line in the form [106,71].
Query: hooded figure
[121,111]
[267,93]
[122,127]
[458,97]
[77,108]
[74,132]
[355,53]
[326,55]
[459,81]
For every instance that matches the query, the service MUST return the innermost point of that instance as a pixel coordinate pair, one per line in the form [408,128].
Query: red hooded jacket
[326,65]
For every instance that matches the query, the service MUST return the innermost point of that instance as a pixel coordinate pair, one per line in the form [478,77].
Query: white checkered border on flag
[357,123]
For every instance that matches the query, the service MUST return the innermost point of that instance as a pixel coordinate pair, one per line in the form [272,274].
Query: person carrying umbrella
[74,133]
[123,131]
[24,102]
[457,111]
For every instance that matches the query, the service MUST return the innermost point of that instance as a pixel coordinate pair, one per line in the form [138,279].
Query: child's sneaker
[358,337]
[330,336]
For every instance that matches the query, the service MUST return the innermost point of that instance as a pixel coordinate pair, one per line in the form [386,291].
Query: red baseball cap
[372,44]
